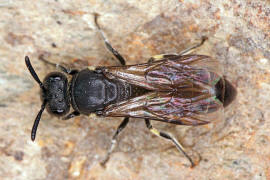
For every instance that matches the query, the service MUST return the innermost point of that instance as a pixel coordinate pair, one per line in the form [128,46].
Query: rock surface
[64,32]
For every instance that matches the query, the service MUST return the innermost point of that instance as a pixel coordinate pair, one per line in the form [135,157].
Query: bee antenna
[35,126]
[33,73]
[35,76]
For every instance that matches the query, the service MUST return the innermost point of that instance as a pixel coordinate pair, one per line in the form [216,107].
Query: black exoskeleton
[91,91]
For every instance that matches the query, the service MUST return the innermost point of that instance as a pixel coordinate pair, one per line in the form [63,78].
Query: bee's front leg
[62,68]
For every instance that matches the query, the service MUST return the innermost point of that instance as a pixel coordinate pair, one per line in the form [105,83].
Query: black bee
[175,88]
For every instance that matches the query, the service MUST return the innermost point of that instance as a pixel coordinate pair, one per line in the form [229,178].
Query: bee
[183,89]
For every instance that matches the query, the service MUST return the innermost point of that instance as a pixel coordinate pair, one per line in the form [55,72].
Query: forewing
[168,107]
[171,73]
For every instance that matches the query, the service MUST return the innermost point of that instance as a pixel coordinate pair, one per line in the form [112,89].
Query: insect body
[174,88]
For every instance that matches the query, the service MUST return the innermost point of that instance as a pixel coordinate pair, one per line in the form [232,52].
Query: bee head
[54,94]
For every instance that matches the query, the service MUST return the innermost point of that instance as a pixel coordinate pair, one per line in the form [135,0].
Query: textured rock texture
[64,32]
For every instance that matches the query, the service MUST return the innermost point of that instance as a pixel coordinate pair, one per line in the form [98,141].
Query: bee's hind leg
[113,142]
[171,55]
[116,54]
[168,137]
[189,50]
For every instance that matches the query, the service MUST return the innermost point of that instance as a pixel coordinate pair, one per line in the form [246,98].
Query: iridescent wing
[169,73]
[183,89]
[168,107]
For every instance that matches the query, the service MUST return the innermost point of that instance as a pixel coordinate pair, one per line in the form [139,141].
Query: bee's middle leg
[113,142]
[116,54]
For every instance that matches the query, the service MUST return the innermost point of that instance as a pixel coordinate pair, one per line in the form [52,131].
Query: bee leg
[62,68]
[71,115]
[160,57]
[108,45]
[188,50]
[168,137]
[113,142]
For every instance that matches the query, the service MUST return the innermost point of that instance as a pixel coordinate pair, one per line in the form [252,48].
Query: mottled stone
[238,34]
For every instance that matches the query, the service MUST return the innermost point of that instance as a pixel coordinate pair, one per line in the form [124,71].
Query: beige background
[239,37]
